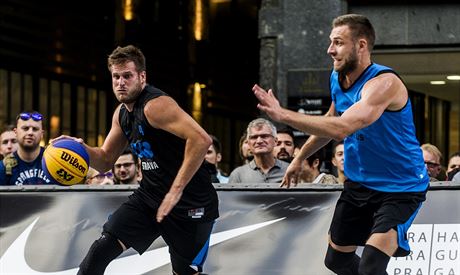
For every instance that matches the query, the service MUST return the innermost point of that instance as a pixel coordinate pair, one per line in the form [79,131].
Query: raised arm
[164,113]
[385,91]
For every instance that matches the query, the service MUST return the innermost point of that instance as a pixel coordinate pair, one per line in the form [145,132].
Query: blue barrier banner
[260,231]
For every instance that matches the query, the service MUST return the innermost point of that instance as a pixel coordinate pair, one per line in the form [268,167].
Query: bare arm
[313,144]
[103,158]
[164,113]
[385,91]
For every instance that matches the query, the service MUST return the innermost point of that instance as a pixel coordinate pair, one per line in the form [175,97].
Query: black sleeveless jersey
[161,154]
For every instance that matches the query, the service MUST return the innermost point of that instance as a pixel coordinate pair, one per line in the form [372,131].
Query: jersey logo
[142,149]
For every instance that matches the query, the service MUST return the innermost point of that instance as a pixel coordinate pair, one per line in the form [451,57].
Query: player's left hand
[268,103]
[168,203]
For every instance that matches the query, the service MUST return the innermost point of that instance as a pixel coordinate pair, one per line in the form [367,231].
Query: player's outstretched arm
[103,158]
[164,113]
[380,93]
[313,144]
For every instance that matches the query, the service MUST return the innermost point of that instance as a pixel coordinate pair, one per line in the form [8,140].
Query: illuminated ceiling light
[453,77]
[197,97]
[198,26]
[437,82]
[196,102]
[128,10]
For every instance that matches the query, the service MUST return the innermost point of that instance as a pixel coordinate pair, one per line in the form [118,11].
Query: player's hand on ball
[79,140]
[168,203]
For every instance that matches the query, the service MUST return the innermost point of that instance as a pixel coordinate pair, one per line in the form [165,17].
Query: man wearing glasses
[264,167]
[432,157]
[24,166]
[96,178]
[126,168]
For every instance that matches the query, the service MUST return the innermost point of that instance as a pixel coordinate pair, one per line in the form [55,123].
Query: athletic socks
[373,261]
[342,263]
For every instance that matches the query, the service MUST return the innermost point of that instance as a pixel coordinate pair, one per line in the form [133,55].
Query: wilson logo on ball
[73,161]
[65,162]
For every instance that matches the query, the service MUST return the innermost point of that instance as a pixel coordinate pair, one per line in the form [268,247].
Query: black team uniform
[187,228]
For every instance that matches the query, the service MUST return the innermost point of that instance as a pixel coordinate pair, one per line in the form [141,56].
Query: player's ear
[143,76]
[362,44]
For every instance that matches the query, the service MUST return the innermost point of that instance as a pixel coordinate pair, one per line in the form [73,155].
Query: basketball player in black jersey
[175,199]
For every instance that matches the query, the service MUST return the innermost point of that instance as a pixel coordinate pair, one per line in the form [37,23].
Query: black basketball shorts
[134,224]
[361,211]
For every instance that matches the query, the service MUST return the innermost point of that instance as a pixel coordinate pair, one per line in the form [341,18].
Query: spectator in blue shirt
[23,167]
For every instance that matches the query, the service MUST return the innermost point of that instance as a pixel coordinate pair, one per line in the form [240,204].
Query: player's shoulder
[384,81]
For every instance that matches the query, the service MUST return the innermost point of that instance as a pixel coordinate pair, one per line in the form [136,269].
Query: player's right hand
[292,173]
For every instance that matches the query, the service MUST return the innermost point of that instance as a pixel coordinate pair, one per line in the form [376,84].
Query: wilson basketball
[65,162]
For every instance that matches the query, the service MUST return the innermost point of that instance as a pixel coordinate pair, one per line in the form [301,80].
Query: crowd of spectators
[265,153]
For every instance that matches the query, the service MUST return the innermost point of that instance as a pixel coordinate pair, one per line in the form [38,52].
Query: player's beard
[350,64]
[133,94]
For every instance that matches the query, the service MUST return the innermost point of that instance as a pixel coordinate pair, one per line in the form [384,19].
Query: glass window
[28,93]
[4,97]
[102,118]
[16,94]
[66,109]
[81,111]
[91,112]
[54,119]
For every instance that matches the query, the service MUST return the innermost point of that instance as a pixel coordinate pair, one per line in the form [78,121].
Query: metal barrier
[262,229]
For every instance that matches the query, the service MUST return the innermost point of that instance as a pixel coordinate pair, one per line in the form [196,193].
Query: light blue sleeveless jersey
[386,155]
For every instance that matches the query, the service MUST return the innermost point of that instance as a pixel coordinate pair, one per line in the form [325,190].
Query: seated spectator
[94,177]
[245,152]
[214,156]
[432,157]
[311,171]
[337,160]
[284,149]
[126,169]
[264,167]
[8,141]
[24,167]
[453,167]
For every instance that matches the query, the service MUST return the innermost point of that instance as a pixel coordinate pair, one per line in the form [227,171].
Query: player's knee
[100,254]
[338,261]
[373,261]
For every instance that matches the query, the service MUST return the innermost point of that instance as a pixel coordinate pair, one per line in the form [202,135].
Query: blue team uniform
[386,175]
[385,156]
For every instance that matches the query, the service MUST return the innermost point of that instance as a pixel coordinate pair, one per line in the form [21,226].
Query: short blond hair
[430,148]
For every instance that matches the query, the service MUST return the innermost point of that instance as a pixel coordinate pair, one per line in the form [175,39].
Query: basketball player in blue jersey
[175,199]
[387,179]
